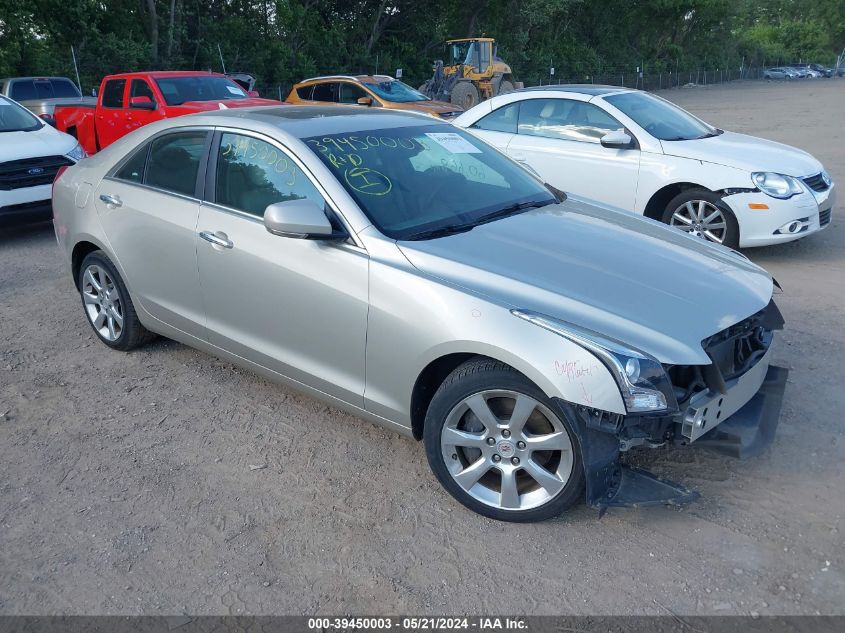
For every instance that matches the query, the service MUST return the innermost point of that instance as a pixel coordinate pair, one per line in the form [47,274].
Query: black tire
[476,376]
[132,334]
[505,87]
[731,234]
[465,95]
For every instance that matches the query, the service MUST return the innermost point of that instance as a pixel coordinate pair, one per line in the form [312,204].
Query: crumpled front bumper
[746,433]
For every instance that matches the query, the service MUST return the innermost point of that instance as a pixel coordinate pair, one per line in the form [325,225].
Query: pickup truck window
[174,162]
[179,90]
[140,88]
[113,93]
[46,88]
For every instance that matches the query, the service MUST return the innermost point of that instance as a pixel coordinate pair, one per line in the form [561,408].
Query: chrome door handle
[208,236]
[113,201]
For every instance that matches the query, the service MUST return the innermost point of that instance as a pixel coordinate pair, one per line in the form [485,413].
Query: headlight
[644,385]
[77,153]
[777,185]
[827,179]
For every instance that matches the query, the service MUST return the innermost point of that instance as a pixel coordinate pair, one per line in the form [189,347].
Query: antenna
[76,69]
[222,63]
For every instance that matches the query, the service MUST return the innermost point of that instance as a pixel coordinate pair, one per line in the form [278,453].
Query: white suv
[31,153]
[638,152]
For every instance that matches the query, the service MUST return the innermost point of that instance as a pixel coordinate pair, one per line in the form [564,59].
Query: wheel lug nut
[520,445]
[506,433]
[491,441]
[497,458]
[515,461]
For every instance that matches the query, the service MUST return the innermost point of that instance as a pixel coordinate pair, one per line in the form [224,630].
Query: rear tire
[702,213]
[465,95]
[108,306]
[500,446]
[505,87]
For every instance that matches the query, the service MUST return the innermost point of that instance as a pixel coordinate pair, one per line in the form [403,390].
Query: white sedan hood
[746,152]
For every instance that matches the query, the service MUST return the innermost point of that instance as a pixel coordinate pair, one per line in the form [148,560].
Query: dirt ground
[126,484]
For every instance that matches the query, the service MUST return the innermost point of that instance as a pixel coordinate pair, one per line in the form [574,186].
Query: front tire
[703,214]
[465,95]
[108,306]
[500,446]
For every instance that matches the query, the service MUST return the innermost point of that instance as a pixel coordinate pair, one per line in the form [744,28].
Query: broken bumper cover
[745,433]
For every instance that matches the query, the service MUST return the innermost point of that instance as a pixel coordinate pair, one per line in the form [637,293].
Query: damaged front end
[731,405]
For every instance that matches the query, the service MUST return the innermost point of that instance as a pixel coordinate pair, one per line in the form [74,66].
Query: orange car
[370,90]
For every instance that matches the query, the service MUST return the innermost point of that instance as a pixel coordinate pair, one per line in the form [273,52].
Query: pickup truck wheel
[500,446]
[702,213]
[108,306]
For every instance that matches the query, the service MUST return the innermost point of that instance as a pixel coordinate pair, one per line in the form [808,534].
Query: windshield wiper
[511,209]
[443,231]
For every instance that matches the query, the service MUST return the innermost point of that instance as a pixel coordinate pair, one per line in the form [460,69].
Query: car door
[296,306]
[560,139]
[148,206]
[499,127]
[109,122]
[139,116]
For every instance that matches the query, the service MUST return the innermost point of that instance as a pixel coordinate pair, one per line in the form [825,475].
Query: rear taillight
[59,173]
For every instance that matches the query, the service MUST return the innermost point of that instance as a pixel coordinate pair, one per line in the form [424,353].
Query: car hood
[434,107]
[46,141]
[746,152]
[624,276]
[204,106]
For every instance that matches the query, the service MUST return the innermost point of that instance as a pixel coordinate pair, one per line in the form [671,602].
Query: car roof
[306,121]
[356,78]
[166,73]
[41,77]
[584,89]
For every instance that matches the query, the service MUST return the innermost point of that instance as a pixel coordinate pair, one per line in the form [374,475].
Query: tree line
[282,41]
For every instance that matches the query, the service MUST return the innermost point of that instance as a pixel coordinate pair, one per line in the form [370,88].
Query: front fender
[414,320]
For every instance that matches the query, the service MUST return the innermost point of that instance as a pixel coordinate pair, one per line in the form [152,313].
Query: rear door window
[304,92]
[174,162]
[113,93]
[502,120]
[133,169]
[326,92]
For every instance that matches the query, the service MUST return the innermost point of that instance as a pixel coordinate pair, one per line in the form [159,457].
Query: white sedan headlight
[77,153]
[777,185]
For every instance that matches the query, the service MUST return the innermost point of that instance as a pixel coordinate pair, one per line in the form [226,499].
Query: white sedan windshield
[660,118]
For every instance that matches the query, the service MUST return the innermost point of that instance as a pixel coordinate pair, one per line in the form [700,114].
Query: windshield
[396,91]
[14,118]
[412,181]
[179,90]
[660,118]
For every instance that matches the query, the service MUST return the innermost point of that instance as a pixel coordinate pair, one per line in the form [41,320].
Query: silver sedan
[401,269]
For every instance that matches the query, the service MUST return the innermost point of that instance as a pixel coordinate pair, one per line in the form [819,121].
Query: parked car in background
[31,154]
[641,153]
[779,73]
[41,95]
[369,90]
[405,271]
[131,100]
[824,71]
[802,73]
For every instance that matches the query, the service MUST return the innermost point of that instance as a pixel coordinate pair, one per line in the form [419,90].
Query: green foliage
[282,41]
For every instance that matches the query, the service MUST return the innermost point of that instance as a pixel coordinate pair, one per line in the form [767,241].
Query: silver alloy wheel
[702,219]
[507,450]
[103,303]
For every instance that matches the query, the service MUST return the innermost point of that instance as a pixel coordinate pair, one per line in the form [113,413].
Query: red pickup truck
[130,100]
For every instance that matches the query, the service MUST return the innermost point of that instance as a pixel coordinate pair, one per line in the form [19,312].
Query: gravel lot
[126,484]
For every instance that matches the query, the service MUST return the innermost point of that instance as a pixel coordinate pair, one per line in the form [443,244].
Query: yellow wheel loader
[474,72]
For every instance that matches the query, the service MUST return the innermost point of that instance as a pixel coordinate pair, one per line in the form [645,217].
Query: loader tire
[465,95]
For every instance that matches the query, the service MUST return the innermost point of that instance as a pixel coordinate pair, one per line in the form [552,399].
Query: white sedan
[31,154]
[638,152]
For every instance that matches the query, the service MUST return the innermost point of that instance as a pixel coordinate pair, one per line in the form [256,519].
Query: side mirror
[365,101]
[253,93]
[301,219]
[142,103]
[617,140]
